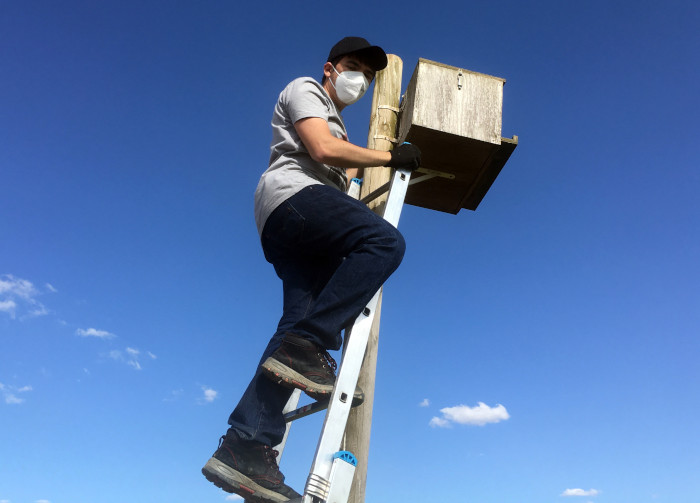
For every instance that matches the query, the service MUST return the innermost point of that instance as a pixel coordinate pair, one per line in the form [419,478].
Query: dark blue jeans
[332,254]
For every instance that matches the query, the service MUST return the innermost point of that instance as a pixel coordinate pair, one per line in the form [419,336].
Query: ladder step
[306,410]
[315,407]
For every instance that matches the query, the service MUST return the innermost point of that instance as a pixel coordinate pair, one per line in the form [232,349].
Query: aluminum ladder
[332,470]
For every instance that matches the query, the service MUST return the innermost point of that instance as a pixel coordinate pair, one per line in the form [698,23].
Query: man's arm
[325,148]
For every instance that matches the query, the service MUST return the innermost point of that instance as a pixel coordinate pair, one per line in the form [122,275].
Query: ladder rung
[313,408]
[376,193]
[306,410]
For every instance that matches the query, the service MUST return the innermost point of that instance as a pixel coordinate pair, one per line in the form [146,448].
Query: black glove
[405,156]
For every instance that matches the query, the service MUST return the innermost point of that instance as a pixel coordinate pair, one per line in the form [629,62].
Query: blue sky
[135,300]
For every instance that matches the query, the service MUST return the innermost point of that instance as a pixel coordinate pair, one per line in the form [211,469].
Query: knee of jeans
[395,246]
[388,239]
[400,247]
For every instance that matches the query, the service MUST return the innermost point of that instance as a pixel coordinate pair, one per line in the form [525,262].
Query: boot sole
[226,478]
[290,378]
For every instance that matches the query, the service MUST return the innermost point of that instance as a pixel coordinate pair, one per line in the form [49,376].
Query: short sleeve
[305,98]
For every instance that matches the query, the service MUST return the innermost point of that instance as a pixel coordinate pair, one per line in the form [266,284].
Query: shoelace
[327,358]
[271,459]
[271,454]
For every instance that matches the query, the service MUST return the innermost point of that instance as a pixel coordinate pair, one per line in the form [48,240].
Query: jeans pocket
[283,230]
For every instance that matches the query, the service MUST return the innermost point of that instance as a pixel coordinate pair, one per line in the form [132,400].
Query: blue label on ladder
[346,456]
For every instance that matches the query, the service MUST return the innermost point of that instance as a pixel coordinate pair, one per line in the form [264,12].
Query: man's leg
[329,225]
[258,415]
[332,254]
[332,226]
[244,462]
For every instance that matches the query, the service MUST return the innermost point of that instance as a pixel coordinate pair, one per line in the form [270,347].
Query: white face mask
[350,86]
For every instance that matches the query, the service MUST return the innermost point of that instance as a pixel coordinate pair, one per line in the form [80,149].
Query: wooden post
[383,124]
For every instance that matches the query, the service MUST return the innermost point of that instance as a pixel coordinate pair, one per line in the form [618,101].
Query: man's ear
[328,69]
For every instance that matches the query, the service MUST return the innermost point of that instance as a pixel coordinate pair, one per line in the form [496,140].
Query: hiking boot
[299,363]
[249,469]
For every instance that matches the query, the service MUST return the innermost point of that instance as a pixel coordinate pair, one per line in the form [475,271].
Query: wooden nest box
[454,117]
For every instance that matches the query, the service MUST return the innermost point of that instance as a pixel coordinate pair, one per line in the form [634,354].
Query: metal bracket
[427,175]
[430,173]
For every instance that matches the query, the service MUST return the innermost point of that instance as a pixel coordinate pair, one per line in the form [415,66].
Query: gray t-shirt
[291,167]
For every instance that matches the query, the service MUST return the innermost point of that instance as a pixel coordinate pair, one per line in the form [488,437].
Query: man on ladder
[331,252]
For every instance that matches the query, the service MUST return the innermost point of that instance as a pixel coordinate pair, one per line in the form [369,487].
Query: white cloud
[40,310]
[17,286]
[51,288]
[439,422]
[93,332]
[130,356]
[209,394]
[9,394]
[174,395]
[43,501]
[8,306]
[230,497]
[580,492]
[11,399]
[462,414]
[424,403]
[19,295]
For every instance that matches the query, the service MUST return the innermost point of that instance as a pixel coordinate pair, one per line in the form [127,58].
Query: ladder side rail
[339,405]
[399,185]
[289,407]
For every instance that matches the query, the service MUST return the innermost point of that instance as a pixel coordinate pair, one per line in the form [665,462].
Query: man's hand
[405,156]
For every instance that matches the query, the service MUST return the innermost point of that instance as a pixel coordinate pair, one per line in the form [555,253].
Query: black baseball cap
[373,54]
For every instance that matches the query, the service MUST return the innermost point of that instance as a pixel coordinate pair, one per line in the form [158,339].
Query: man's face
[346,63]
[353,64]
[349,63]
